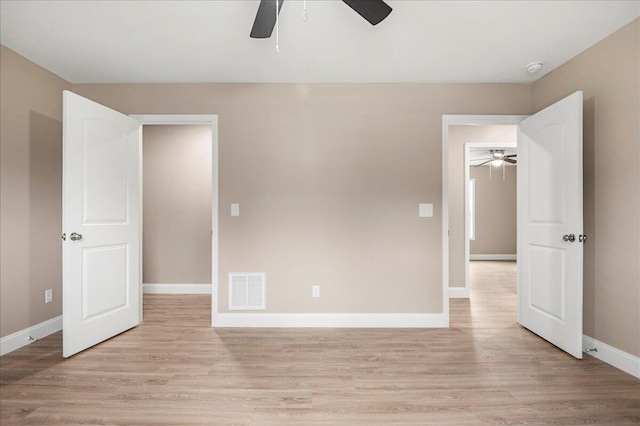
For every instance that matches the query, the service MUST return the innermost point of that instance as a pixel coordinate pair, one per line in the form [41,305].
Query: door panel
[546,168]
[547,269]
[105,283]
[101,219]
[550,207]
[105,173]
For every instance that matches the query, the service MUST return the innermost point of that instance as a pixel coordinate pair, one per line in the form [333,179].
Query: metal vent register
[247,291]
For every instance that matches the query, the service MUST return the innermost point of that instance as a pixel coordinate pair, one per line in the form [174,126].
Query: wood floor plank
[174,369]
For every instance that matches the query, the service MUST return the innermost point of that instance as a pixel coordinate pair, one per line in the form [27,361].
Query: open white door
[101,222]
[550,252]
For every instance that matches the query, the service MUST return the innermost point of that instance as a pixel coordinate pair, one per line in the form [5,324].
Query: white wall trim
[446,120]
[176,288]
[459,292]
[613,356]
[332,320]
[175,119]
[21,338]
[493,257]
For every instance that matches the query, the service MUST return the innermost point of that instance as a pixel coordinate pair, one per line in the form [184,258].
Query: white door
[550,238]
[101,222]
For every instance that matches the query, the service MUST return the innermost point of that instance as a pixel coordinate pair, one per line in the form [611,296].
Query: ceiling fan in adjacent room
[497,157]
[374,11]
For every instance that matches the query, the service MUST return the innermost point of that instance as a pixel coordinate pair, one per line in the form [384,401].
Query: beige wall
[458,136]
[30,192]
[496,211]
[609,75]
[177,204]
[328,178]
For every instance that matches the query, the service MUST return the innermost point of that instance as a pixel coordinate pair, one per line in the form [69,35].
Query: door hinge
[64,236]
[582,238]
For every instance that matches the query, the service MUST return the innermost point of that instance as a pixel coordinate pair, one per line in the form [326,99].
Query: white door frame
[468,146]
[451,120]
[193,119]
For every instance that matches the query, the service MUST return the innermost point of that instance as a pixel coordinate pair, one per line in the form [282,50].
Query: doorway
[490,196]
[549,215]
[102,214]
[176,234]
[457,131]
[169,226]
[456,285]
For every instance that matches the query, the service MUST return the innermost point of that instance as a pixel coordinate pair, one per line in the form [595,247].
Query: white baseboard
[458,293]
[21,338]
[621,360]
[331,320]
[493,257]
[176,288]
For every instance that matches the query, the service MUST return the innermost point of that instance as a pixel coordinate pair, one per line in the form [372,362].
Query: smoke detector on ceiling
[534,67]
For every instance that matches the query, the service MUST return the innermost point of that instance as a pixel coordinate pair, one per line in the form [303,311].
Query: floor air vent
[247,291]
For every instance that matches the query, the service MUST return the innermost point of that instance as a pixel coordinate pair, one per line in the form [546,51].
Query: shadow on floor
[31,359]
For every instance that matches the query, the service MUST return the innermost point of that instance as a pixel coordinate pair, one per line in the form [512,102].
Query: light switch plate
[235,209]
[425,210]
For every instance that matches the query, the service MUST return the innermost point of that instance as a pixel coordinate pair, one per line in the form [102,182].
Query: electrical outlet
[315,290]
[48,296]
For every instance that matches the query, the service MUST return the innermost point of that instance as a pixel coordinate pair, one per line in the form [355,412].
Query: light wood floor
[176,369]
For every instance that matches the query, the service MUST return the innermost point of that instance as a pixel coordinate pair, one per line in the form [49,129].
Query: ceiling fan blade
[373,11]
[482,164]
[265,19]
[482,159]
[510,155]
[510,160]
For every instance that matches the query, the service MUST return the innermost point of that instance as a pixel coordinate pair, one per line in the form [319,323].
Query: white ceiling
[208,41]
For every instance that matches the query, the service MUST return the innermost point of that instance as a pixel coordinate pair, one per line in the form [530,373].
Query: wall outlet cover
[425,210]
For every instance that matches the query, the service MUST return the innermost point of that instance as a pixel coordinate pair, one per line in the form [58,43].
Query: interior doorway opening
[176,208]
[490,197]
[549,214]
[491,229]
[465,139]
[199,219]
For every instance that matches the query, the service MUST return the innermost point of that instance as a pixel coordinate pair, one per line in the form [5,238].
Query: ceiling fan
[373,11]
[497,158]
